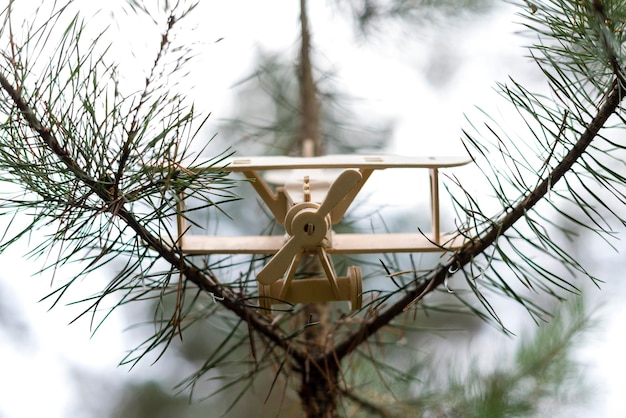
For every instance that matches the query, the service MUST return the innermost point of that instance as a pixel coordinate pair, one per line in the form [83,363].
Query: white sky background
[35,377]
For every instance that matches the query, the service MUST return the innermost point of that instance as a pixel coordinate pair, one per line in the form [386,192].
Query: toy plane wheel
[356,288]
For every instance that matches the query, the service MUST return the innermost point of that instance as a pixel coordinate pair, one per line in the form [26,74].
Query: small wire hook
[216,298]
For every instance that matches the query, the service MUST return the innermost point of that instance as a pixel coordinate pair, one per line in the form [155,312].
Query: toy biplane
[309,202]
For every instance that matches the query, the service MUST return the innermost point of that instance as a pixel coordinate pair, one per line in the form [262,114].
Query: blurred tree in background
[98,161]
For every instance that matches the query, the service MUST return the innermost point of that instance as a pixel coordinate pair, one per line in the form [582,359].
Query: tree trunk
[318,391]
[309,136]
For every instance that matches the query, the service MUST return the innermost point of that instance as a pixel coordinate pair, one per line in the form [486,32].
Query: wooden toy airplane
[307,205]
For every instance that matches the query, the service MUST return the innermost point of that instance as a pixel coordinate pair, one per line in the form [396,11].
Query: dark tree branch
[258,322]
[478,245]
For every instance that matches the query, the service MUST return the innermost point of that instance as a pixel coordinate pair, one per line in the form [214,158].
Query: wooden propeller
[308,223]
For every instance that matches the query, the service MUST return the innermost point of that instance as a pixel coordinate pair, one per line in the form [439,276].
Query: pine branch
[208,284]
[479,245]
